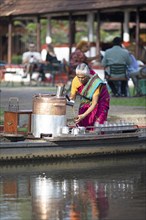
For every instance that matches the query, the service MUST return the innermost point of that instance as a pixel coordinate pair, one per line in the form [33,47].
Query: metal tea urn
[49,115]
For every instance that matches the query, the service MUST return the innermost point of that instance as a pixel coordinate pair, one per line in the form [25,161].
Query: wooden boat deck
[69,146]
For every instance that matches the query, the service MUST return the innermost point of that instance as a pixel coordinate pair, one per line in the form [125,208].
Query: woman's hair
[81,44]
[83,69]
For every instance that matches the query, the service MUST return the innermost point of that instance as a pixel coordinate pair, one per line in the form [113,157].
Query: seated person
[31,59]
[51,56]
[51,63]
[116,55]
[94,94]
[142,71]
[134,71]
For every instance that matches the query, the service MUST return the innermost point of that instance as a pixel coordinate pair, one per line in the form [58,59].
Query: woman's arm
[74,88]
[72,97]
[89,110]
[97,57]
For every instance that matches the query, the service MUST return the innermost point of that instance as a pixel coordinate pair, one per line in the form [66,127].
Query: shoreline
[117,113]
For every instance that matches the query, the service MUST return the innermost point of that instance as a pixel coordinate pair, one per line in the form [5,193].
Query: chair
[118,72]
[117,77]
[141,78]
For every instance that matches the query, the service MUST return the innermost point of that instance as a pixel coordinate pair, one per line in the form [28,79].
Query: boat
[75,142]
[49,136]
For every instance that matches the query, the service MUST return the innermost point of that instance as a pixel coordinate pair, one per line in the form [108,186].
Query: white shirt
[31,57]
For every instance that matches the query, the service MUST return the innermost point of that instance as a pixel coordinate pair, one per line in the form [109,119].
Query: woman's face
[83,78]
[85,48]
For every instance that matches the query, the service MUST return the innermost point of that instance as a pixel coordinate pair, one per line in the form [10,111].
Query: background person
[134,71]
[94,94]
[50,54]
[51,63]
[31,59]
[78,56]
[116,55]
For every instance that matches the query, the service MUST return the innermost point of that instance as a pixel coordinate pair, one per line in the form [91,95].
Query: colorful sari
[100,111]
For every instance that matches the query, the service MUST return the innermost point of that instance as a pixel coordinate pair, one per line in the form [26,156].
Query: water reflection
[94,189]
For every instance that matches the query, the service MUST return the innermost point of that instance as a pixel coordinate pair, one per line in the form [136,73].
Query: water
[111,188]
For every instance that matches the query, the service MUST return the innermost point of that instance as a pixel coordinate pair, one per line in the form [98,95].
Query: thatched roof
[40,7]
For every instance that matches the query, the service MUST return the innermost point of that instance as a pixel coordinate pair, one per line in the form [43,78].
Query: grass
[1,116]
[129,101]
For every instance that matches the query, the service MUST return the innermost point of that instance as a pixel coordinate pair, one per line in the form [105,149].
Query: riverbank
[136,114]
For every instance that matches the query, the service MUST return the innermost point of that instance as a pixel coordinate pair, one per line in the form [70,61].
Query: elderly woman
[94,94]
[78,56]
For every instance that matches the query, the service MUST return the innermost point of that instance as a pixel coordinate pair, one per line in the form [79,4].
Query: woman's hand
[79,118]
[90,109]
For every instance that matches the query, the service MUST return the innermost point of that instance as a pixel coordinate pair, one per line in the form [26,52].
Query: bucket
[48,116]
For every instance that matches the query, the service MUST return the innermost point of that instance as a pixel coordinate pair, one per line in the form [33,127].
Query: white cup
[75,131]
[65,130]
[82,130]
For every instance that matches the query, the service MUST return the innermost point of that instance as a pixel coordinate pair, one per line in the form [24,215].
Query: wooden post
[38,34]
[90,22]
[122,31]
[126,36]
[137,33]
[10,41]
[90,26]
[98,33]
[49,30]
[70,34]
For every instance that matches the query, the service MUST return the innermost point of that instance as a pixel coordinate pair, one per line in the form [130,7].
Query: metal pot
[49,114]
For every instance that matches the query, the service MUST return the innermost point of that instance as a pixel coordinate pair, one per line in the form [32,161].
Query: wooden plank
[10,122]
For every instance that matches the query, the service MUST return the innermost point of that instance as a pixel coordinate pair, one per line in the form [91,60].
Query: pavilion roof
[40,7]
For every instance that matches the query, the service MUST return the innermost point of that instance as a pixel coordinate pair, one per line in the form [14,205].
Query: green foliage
[107,36]
[60,31]
[16,59]
[1,116]
[43,31]
[81,31]
[16,23]
[31,27]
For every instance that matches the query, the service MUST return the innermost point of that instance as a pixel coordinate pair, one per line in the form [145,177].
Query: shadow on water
[106,163]
[96,189]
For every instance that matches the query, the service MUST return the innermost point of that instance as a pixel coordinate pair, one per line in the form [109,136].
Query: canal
[101,188]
